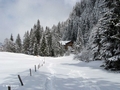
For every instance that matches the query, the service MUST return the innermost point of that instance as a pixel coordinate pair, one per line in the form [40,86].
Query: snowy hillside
[93,25]
[62,73]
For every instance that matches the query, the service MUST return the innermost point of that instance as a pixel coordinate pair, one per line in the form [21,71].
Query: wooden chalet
[68,44]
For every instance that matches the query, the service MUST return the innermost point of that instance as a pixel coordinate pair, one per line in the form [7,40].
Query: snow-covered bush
[9,46]
[85,55]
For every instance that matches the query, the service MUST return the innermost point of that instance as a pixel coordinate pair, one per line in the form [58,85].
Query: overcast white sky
[18,16]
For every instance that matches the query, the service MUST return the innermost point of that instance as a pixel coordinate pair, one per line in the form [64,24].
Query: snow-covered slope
[62,73]
[11,64]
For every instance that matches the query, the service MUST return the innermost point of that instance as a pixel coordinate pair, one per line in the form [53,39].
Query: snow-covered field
[62,73]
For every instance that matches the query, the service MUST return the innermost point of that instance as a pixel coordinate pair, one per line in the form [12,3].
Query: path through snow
[67,74]
[73,83]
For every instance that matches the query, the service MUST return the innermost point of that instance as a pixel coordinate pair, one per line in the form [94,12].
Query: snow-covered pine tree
[38,32]
[18,44]
[48,41]
[57,48]
[32,39]
[35,47]
[69,31]
[26,43]
[58,30]
[103,42]
[43,47]
[111,44]
[79,43]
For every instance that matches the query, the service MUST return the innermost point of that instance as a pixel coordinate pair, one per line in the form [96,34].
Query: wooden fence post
[30,73]
[20,80]
[35,68]
[9,88]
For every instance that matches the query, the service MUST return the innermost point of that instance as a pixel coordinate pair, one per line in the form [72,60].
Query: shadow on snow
[39,81]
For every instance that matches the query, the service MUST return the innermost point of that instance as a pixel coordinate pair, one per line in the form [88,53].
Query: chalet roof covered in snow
[64,42]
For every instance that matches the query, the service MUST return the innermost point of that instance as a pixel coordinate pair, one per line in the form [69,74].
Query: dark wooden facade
[68,44]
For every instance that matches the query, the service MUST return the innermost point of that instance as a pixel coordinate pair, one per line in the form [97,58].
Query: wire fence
[20,78]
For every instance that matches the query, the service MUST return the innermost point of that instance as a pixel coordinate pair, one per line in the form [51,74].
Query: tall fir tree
[11,38]
[48,37]
[18,44]
[43,47]
[35,47]
[33,41]
[38,32]
[79,43]
[112,51]
[26,43]
[57,49]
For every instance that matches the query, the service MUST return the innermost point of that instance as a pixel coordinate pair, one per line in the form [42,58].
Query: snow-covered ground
[62,73]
